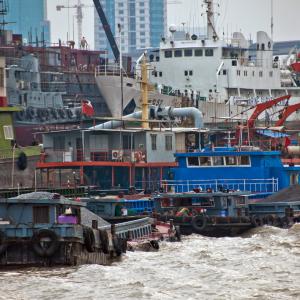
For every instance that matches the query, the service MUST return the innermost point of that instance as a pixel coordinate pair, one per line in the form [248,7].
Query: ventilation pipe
[170,112]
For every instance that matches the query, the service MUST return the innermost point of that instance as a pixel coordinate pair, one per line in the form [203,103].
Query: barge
[44,229]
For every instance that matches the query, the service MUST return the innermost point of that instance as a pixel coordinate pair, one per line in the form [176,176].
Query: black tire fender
[3,242]
[37,239]
[89,239]
[178,233]
[154,244]
[104,241]
[199,223]
[117,245]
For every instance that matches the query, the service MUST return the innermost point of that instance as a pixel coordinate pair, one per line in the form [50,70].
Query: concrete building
[143,23]
[29,18]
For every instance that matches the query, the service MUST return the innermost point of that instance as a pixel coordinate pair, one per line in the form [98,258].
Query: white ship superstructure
[213,70]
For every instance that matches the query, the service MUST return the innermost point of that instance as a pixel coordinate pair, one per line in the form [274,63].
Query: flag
[87,108]
[287,142]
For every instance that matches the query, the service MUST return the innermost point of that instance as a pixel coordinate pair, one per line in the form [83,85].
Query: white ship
[221,78]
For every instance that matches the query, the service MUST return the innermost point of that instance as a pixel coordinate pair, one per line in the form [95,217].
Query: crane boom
[107,29]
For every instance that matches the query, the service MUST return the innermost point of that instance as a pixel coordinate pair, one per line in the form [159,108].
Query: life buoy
[104,241]
[89,239]
[3,242]
[199,223]
[38,243]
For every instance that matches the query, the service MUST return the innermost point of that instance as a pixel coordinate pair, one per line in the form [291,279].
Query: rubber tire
[36,239]
[89,239]
[104,241]
[178,233]
[3,242]
[199,228]
[154,244]
[117,245]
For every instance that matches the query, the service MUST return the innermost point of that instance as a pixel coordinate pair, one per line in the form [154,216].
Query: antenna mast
[211,30]
[272,20]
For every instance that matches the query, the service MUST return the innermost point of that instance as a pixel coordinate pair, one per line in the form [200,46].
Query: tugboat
[217,214]
[44,229]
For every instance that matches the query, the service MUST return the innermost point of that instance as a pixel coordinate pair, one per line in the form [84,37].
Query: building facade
[143,23]
[29,18]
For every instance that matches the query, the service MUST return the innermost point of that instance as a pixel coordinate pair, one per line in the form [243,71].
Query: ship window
[260,73]
[245,161]
[8,132]
[205,161]
[230,160]
[153,141]
[168,140]
[188,52]
[168,54]
[224,72]
[218,161]
[271,74]
[245,73]
[209,52]
[238,73]
[186,73]
[178,53]
[234,63]
[253,73]
[40,214]
[191,73]
[160,74]
[198,52]
[193,161]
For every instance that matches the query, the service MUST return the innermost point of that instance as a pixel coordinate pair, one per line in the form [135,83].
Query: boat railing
[250,185]
[109,70]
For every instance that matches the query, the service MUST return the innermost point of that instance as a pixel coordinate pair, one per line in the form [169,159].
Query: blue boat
[235,168]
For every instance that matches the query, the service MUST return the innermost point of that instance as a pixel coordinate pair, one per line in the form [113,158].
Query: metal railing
[249,185]
[109,69]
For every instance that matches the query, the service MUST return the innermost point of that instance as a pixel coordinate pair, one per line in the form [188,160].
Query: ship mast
[211,30]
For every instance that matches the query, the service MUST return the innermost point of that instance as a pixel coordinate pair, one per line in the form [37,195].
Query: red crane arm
[263,106]
[287,112]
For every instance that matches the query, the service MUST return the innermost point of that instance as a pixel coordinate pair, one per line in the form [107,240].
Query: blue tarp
[272,134]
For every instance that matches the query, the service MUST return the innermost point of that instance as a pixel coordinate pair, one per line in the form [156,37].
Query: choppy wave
[263,264]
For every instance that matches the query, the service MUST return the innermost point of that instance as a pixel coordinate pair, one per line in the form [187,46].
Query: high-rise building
[143,24]
[29,18]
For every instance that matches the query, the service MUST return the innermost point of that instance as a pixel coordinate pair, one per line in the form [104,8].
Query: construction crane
[79,15]
[107,29]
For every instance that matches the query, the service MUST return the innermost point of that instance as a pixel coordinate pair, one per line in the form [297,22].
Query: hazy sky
[249,16]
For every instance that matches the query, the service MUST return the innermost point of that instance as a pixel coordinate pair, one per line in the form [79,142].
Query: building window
[178,53]
[245,73]
[121,12]
[188,52]
[209,52]
[261,74]
[142,19]
[8,132]
[198,52]
[271,73]
[238,73]
[40,214]
[253,73]
[153,141]
[168,53]
[142,11]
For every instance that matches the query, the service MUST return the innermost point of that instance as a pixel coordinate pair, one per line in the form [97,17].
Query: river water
[264,264]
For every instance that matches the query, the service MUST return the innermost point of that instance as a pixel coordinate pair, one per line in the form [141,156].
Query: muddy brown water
[263,264]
